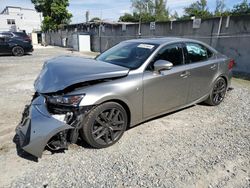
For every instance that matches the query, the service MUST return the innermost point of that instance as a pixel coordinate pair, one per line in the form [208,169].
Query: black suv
[16,43]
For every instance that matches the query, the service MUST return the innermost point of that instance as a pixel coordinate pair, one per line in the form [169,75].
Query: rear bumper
[29,49]
[38,127]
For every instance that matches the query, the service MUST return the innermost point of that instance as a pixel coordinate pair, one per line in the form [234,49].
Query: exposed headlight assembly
[70,100]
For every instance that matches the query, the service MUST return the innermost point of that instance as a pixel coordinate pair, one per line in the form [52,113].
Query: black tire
[105,125]
[218,92]
[18,51]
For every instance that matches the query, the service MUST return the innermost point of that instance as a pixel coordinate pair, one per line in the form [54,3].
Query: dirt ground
[181,158]
[17,75]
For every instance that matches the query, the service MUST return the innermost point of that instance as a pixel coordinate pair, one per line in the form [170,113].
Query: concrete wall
[230,36]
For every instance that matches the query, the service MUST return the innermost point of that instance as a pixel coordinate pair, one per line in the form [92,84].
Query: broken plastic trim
[38,128]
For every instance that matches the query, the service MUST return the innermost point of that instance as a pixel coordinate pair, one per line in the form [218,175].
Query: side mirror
[161,65]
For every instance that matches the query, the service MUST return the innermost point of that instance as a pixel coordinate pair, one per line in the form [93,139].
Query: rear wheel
[18,51]
[105,125]
[218,92]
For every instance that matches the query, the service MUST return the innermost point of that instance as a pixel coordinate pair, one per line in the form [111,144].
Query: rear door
[203,67]
[4,46]
[168,89]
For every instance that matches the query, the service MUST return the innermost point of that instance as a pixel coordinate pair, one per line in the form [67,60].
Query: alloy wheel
[18,51]
[108,126]
[219,91]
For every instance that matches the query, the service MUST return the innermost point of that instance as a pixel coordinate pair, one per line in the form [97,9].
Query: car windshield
[128,54]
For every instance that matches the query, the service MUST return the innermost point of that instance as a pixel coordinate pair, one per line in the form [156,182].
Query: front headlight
[70,100]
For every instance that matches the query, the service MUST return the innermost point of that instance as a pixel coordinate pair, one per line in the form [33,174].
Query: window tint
[172,53]
[197,52]
[5,34]
[20,34]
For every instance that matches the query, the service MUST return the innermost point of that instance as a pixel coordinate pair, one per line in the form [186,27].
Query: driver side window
[172,53]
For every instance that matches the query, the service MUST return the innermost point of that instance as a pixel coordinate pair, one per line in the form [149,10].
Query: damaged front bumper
[38,127]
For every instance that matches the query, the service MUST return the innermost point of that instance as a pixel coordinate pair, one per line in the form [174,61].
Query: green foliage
[219,9]
[147,17]
[147,10]
[129,17]
[161,13]
[135,17]
[95,19]
[143,6]
[174,16]
[54,11]
[241,9]
[198,9]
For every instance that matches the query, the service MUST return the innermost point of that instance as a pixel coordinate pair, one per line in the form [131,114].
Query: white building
[20,19]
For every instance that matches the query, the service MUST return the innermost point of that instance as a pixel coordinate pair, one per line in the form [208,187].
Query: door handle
[185,74]
[213,67]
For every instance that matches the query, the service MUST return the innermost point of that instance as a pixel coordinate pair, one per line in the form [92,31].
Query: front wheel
[105,125]
[218,92]
[18,51]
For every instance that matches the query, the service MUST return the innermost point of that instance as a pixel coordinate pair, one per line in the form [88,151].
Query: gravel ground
[200,146]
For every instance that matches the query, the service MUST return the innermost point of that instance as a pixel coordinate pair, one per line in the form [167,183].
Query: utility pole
[87,16]
[100,33]
[139,30]
[140,18]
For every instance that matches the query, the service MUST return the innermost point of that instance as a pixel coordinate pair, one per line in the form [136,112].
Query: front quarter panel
[128,90]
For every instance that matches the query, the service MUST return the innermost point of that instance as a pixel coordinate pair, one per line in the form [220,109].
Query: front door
[4,46]
[168,89]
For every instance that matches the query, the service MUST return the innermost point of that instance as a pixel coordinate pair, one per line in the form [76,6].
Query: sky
[111,9]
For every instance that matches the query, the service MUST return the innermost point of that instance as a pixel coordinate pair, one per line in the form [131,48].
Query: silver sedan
[96,100]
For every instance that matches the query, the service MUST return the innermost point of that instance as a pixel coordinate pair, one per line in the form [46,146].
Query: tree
[143,6]
[95,19]
[161,13]
[198,9]
[174,16]
[129,18]
[219,9]
[55,13]
[143,10]
[241,9]
[147,11]
[135,17]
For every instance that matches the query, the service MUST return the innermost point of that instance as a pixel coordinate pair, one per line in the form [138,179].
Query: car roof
[162,40]
[13,32]
[166,40]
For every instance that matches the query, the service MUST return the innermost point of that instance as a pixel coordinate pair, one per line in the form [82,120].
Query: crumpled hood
[62,72]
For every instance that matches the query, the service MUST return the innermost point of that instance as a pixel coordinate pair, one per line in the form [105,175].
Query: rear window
[6,35]
[197,52]
[20,34]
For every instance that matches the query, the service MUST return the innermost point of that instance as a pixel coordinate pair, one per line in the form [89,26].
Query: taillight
[231,64]
[27,38]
